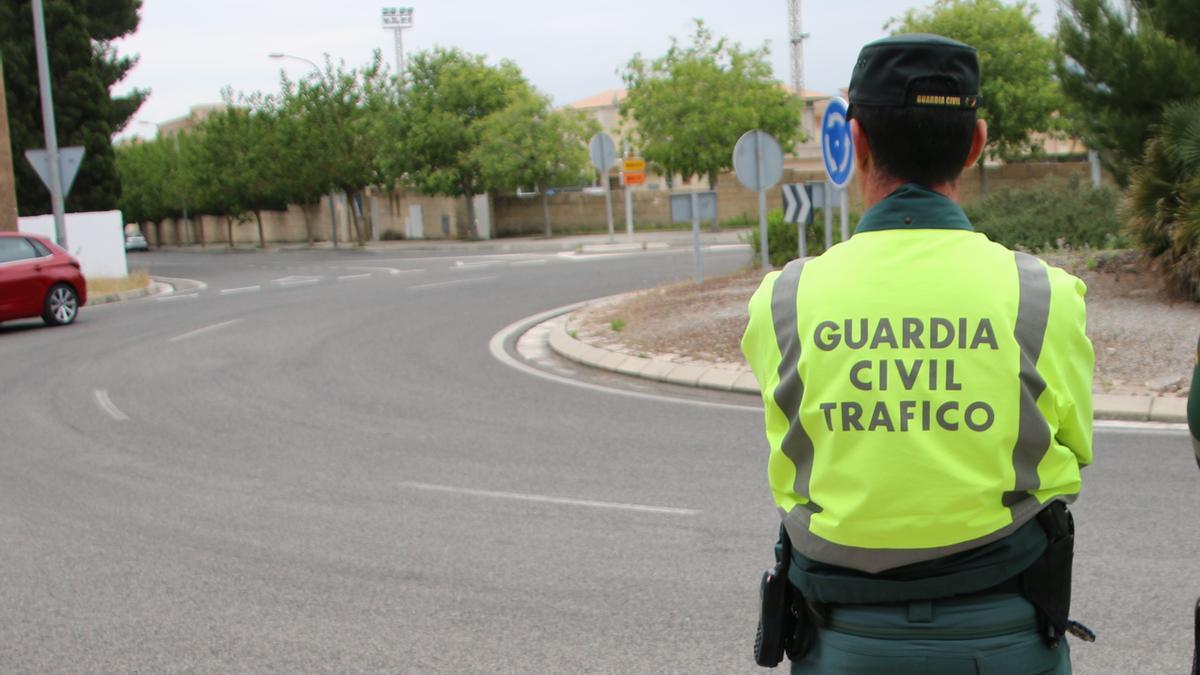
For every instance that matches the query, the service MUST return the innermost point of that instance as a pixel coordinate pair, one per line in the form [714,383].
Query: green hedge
[1056,213]
[782,244]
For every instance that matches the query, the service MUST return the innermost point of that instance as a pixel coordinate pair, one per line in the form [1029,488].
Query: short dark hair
[918,144]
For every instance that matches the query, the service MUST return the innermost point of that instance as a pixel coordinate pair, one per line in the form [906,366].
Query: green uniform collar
[911,207]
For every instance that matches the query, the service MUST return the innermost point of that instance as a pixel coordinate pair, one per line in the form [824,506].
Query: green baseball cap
[894,71]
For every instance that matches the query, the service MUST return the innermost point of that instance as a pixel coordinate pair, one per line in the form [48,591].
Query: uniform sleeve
[758,341]
[1069,372]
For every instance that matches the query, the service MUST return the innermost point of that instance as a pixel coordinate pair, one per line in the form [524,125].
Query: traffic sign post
[633,169]
[695,206]
[837,151]
[797,208]
[758,162]
[604,153]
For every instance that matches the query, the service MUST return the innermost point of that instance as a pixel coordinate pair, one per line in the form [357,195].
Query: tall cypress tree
[84,66]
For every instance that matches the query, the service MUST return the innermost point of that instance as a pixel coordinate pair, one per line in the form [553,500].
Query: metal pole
[845,206]
[762,199]
[1094,161]
[332,219]
[802,235]
[608,204]
[828,215]
[696,237]
[628,198]
[56,195]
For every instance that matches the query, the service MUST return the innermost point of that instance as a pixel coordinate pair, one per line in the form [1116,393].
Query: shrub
[782,244]
[1056,213]
[1162,213]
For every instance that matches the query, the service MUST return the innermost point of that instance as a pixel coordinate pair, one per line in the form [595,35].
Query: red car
[38,278]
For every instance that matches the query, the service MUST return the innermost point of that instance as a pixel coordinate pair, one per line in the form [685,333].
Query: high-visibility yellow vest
[925,392]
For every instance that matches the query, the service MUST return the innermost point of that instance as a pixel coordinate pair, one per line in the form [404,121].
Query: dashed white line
[173,298]
[528,263]
[107,406]
[390,270]
[352,277]
[201,331]
[544,499]
[296,281]
[241,289]
[456,282]
[460,266]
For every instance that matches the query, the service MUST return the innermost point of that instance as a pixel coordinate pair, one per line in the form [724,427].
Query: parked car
[136,241]
[38,278]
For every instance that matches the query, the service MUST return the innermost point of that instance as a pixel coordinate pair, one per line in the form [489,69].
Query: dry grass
[102,286]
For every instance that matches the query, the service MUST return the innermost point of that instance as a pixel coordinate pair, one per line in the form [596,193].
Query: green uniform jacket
[925,390]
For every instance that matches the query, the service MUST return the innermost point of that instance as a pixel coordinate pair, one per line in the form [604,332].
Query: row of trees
[454,126]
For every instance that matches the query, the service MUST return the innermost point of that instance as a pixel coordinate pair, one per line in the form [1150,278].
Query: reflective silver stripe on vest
[796,445]
[1033,433]
[1033,439]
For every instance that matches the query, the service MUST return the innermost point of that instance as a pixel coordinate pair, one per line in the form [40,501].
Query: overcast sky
[189,51]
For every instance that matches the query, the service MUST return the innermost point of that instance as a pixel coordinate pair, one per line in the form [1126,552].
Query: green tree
[530,144]
[439,126]
[84,66]
[690,106]
[1163,206]
[1120,67]
[1020,95]
[329,126]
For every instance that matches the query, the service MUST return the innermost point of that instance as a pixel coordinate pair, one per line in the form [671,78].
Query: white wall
[97,239]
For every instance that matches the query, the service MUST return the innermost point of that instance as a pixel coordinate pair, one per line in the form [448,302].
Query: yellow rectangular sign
[634,164]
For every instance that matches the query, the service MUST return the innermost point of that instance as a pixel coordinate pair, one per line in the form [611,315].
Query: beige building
[605,108]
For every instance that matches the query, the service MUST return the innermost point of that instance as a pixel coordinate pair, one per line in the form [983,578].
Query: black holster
[1046,584]
[785,624]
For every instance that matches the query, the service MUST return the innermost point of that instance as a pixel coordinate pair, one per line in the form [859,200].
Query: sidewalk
[738,378]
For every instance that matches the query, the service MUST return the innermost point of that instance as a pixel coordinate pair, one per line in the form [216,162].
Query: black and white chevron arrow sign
[797,203]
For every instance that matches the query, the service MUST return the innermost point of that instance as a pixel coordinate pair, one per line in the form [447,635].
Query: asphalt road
[314,463]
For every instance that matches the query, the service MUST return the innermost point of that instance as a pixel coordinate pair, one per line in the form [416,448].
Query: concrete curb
[739,378]
[153,288]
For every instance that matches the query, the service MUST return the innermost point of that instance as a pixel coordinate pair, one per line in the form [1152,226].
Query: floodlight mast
[397,19]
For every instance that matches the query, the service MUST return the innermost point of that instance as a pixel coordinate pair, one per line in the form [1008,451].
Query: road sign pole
[696,237]
[762,203]
[608,204]
[628,200]
[43,62]
[802,236]
[845,214]
[828,215]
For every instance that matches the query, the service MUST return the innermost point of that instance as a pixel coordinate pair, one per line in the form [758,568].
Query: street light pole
[332,197]
[43,65]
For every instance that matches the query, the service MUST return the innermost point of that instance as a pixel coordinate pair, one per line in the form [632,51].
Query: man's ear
[862,148]
[978,142]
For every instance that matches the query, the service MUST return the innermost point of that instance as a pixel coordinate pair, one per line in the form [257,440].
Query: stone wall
[570,212]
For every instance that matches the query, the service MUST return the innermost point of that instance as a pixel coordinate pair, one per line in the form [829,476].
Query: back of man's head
[915,97]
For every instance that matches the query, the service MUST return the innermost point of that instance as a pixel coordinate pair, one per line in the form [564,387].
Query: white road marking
[352,277]
[544,499]
[296,281]
[241,289]
[528,263]
[107,406]
[390,270]
[456,282]
[172,298]
[496,346]
[727,247]
[201,331]
[461,266]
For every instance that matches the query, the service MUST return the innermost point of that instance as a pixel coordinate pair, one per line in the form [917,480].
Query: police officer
[927,400]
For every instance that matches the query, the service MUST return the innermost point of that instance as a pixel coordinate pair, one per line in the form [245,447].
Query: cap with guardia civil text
[897,71]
